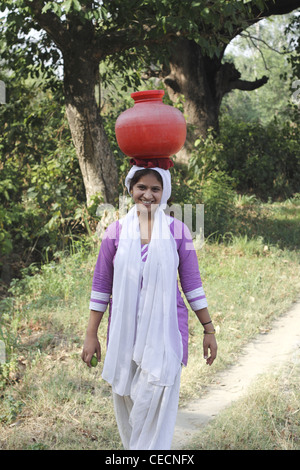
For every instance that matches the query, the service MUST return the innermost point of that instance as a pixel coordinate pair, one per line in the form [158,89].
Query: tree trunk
[96,160]
[203,81]
[189,76]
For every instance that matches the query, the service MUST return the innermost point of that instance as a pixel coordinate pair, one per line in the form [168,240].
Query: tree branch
[119,40]
[228,78]
[50,23]
[246,85]
[278,7]
[249,36]
[271,7]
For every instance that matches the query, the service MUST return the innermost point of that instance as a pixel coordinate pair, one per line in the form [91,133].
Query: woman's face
[147,192]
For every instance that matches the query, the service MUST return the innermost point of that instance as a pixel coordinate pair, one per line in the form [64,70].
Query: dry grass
[267,418]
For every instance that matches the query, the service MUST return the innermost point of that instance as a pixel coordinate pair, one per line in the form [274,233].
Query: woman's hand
[209,343]
[91,346]
[209,340]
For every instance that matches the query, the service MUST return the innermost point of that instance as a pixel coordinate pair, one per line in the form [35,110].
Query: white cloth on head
[166,178]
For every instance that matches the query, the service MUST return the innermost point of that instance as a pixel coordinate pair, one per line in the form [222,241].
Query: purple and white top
[188,270]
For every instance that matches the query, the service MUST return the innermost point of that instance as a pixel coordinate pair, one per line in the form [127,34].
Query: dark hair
[146,171]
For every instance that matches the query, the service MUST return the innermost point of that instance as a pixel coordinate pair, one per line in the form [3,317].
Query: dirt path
[281,344]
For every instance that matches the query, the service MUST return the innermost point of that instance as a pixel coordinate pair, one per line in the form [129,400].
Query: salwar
[146,418]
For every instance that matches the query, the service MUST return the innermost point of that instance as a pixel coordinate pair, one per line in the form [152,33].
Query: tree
[42,209]
[87,32]
[263,48]
[204,78]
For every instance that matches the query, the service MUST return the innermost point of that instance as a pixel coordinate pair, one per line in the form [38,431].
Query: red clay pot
[150,129]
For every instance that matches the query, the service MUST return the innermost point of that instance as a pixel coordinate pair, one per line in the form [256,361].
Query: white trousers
[146,419]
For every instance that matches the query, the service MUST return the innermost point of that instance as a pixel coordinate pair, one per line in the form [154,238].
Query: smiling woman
[147,345]
[146,189]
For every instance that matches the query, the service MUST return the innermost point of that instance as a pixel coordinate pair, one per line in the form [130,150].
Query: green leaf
[68,5]
[76,5]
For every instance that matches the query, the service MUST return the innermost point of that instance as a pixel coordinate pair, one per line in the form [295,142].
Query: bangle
[209,332]
[203,324]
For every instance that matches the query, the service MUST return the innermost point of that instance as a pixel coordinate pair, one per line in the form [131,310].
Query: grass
[267,418]
[51,400]
[247,288]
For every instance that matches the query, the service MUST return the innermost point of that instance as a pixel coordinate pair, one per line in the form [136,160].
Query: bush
[263,160]
[218,198]
[206,157]
[40,181]
[260,160]
[215,192]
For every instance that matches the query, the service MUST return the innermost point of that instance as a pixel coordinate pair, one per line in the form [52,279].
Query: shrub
[218,197]
[40,180]
[263,160]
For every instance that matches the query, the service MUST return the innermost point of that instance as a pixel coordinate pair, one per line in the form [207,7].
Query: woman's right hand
[91,346]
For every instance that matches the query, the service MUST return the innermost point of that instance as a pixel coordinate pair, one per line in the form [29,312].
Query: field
[51,400]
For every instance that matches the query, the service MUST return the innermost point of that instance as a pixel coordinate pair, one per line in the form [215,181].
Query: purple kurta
[188,270]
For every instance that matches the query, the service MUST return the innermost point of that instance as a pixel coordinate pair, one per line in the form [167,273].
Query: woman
[138,262]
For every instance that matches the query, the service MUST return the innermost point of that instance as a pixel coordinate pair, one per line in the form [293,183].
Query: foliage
[292,33]
[263,49]
[126,33]
[42,196]
[11,410]
[40,181]
[115,103]
[41,191]
[259,159]
[214,191]
[262,159]
[217,196]
[204,158]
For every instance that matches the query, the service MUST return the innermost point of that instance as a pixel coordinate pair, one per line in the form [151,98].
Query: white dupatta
[144,325]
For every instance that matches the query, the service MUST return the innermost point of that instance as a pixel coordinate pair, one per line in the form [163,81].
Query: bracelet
[203,324]
[209,332]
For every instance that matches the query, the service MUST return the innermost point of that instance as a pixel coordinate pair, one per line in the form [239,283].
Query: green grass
[51,400]
[276,224]
[247,288]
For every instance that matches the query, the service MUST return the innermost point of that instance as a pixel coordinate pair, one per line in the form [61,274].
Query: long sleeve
[189,273]
[103,273]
